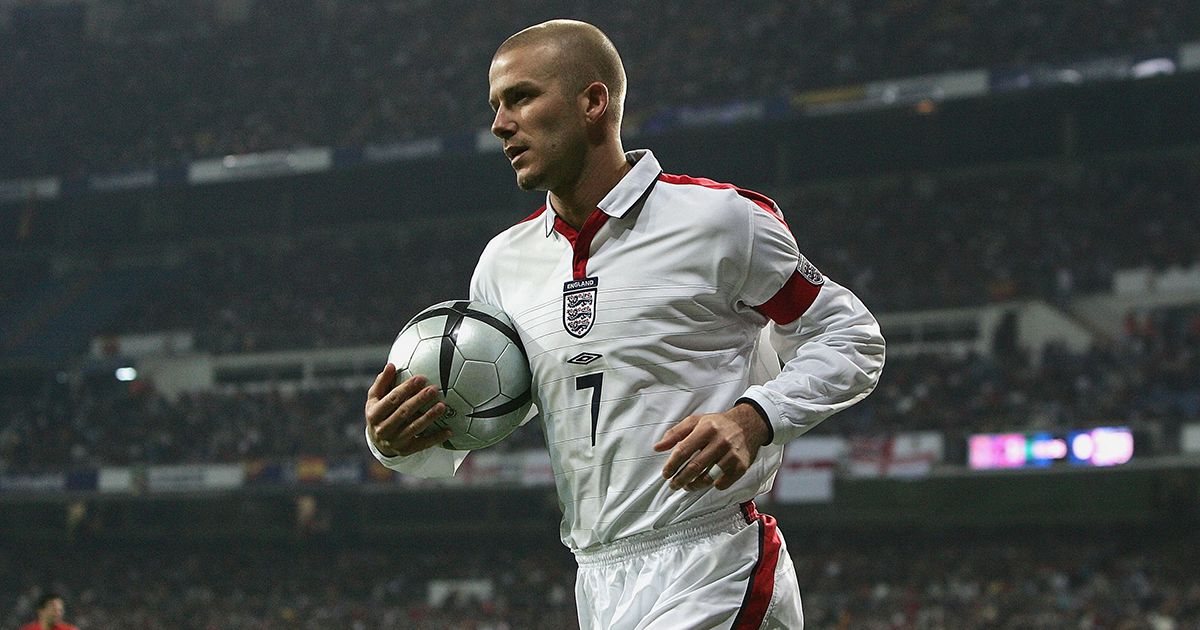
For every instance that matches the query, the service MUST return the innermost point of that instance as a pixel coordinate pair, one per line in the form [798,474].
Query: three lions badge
[579,306]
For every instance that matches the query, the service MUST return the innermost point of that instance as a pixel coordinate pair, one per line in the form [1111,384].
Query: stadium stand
[294,588]
[126,85]
[1149,380]
[1021,231]
[1028,579]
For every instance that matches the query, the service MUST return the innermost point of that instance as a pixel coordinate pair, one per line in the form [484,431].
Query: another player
[640,298]
[50,613]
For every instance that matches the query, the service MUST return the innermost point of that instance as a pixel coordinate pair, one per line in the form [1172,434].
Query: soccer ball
[472,354]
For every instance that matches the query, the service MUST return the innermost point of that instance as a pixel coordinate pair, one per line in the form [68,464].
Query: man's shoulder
[709,207]
[719,197]
[703,187]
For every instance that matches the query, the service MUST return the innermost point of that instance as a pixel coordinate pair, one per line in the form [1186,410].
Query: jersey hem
[728,519]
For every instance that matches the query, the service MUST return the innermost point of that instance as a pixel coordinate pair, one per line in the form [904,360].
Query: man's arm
[829,343]
[832,357]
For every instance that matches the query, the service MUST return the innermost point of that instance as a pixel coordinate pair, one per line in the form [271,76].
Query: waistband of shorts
[730,519]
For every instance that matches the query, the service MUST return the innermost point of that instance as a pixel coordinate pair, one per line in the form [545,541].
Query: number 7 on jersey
[594,382]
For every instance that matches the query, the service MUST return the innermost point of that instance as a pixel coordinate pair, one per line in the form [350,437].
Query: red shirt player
[50,611]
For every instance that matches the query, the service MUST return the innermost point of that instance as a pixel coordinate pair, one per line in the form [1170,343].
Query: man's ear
[596,101]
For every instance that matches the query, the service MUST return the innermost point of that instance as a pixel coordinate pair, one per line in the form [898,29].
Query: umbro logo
[583,358]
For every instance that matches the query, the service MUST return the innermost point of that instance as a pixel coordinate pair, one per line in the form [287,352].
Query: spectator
[50,612]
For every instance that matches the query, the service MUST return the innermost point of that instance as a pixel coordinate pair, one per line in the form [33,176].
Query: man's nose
[503,126]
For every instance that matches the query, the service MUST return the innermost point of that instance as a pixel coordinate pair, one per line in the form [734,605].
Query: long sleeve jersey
[677,296]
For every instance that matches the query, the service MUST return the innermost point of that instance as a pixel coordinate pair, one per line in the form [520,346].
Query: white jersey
[650,313]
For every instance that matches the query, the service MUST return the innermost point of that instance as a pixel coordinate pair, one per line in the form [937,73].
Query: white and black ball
[471,352]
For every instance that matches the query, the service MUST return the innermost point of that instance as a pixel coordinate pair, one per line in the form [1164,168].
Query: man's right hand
[395,420]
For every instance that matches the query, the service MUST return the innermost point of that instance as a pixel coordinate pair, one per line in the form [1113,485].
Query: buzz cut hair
[584,55]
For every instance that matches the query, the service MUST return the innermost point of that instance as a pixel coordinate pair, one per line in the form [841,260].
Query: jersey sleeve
[429,463]
[828,343]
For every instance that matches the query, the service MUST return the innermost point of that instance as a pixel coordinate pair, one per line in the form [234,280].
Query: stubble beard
[529,182]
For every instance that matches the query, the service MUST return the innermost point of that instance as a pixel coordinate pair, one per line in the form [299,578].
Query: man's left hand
[730,440]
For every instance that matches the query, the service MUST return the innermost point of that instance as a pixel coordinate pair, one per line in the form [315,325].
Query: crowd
[939,240]
[1035,583]
[312,292]
[87,425]
[901,243]
[1148,380]
[110,86]
[264,588]
[1039,580]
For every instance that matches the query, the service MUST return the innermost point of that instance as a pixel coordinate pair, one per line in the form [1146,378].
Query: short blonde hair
[585,54]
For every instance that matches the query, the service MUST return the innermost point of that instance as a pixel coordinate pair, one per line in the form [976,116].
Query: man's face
[539,120]
[53,611]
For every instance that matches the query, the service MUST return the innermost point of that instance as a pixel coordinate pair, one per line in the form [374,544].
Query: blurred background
[216,214]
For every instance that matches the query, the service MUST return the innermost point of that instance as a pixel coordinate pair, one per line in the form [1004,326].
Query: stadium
[216,215]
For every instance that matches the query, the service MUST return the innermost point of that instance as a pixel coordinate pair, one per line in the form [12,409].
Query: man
[50,612]
[640,298]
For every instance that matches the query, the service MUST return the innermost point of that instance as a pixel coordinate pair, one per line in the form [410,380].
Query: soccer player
[640,298]
[50,612]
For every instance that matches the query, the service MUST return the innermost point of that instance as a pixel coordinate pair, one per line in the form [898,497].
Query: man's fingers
[683,451]
[695,468]
[383,383]
[427,441]
[732,469]
[675,433]
[389,403]
[418,426]
[408,411]
[721,475]
[398,415]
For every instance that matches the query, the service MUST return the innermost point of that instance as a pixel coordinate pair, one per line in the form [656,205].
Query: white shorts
[729,569]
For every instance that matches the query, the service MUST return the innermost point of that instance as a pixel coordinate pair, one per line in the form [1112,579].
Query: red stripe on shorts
[762,579]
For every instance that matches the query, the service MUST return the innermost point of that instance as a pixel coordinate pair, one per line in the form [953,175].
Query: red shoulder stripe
[763,201]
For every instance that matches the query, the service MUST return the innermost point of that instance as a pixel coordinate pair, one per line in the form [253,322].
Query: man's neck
[574,205]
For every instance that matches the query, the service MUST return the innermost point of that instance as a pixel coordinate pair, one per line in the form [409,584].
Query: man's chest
[638,298]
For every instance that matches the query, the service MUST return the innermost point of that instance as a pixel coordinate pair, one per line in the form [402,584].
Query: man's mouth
[514,152]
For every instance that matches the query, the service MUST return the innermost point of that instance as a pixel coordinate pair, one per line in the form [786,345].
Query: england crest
[579,306]
[810,272]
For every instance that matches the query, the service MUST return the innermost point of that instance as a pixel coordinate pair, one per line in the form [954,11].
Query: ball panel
[456,366]
[402,348]
[480,341]
[465,442]
[489,430]
[427,359]
[513,371]
[456,417]
[403,375]
[432,327]
[477,382]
